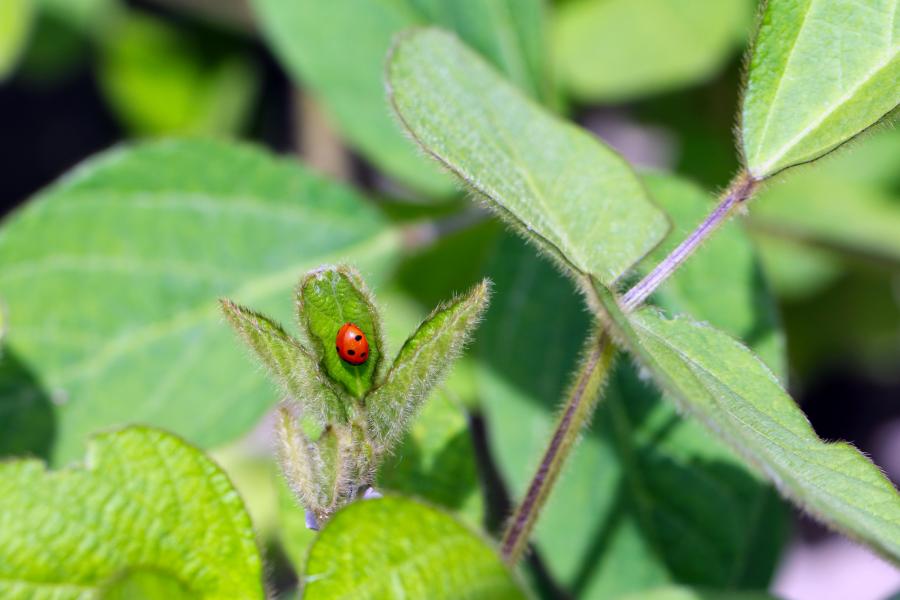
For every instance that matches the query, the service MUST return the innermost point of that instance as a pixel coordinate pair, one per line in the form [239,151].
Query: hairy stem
[738,192]
[579,406]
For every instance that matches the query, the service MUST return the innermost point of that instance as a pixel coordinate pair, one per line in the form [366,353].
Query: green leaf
[288,363]
[111,280]
[615,50]
[311,37]
[145,499]
[328,298]
[821,72]
[162,80]
[641,501]
[685,593]
[145,584]
[15,25]
[826,211]
[554,182]
[728,389]
[421,363]
[398,548]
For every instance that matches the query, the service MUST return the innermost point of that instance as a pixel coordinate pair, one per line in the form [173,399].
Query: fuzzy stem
[738,192]
[576,413]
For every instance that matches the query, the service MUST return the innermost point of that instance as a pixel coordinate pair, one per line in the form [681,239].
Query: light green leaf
[311,38]
[685,593]
[822,210]
[145,584]
[641,502]
[557,184]
[160,80]
[328,298]
[398,548]
[111,280]
[421,363]
[145,499]
[614,50]
[727,388]
[821,72]
[288,363]
[15,25]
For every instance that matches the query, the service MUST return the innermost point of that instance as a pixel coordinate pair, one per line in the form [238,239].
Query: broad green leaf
[614,50]
[822,210]
[111,279]
[145,499]
[161,80]
[421,363]
[399,548]
[685,593]
[291,365]
[145,584]
[727,388]
[329,298]
[554,182]
[821,72]
[598,533]
[15,25]
[311,38]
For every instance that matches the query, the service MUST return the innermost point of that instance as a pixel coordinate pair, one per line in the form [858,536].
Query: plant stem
[739,191]
[576,413]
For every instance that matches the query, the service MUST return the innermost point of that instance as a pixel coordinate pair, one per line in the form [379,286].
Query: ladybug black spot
[351,352]
[363,355]
[359,337]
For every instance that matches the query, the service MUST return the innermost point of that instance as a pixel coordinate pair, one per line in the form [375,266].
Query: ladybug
[352,345]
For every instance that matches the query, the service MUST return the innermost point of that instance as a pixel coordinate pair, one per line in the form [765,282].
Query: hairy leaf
[144,499]
[728,389]
[555,183]
[347,77]
[641,502]
[288,362]
[821,72]
[614,50]
[111,280]
[328,298]
[422,361]
[397,548]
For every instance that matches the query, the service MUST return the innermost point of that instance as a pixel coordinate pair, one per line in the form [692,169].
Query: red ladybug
[352,345]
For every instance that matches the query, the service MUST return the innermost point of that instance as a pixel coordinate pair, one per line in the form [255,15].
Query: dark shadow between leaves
[27,417]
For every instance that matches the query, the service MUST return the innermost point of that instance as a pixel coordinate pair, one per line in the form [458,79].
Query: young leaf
[302,464]
[288,362]
[422,362]
[145,498]
[540,173]
[328,298]
[111,280]
[821,72]
[728,389]
[397,548]
[347,78]
[614,50]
